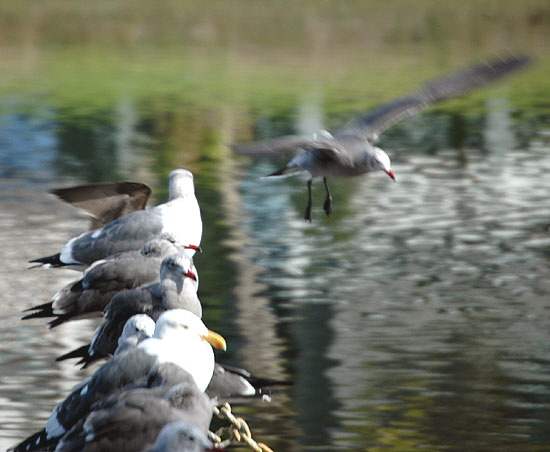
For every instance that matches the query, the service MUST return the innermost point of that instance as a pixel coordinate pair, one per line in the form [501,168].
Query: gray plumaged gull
[177,289]
[137,328]
[230,383]
[180,338]
[179,436]
[105,278]
[106,201]
[131,419]
[180,216]
[351,151]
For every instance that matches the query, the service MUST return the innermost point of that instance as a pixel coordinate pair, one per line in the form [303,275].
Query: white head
[180,436]
[139,325]
[381,161]
[180,324]
[181,184]
[182,338]
[136,329]
[177,323]
[177,267]
[162,245]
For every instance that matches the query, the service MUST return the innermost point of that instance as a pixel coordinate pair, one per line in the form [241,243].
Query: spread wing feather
[455,84]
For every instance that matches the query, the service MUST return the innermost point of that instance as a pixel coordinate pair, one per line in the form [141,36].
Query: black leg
[328,201]
[307,216]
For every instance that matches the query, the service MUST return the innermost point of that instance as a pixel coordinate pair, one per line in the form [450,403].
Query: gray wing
[132,418]
[284,145]
[121,307]
[126,233]
[233,382]
[455,84]
[106,201]
[101,282]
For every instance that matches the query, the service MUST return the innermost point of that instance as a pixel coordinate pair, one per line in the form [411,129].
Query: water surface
[415,318]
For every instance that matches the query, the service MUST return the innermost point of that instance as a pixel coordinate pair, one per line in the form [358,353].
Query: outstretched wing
[107,201]
[284,145]
[455,84]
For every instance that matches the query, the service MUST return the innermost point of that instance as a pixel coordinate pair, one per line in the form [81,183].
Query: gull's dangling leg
[307,216]
[328,201]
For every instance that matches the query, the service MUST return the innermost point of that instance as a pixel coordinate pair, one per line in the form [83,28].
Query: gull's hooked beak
[390,173]
[191,275]
[194,247]
[215,340]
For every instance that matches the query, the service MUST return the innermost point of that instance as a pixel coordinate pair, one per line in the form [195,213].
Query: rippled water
[416,317]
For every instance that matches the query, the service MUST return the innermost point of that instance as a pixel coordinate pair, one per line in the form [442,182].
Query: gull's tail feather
[285,172]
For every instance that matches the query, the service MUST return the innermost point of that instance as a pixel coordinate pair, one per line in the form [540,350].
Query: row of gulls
[105,278]
[157,390]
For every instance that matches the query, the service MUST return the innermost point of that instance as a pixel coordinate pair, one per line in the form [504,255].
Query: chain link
[237,432]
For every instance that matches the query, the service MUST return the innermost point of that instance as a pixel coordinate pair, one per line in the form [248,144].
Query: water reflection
[415,317]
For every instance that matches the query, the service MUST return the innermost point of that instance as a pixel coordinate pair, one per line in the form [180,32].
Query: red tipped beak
[194,247]
[191,275]
[390,173]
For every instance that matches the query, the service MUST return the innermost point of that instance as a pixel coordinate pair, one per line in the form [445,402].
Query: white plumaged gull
[180,216]
[136,329]
[131,419]
[351,151]
[105,278]
[177,289]
[179,436]
[180,338]
[106,201]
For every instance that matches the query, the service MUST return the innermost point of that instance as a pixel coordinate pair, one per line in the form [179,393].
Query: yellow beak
[215,340]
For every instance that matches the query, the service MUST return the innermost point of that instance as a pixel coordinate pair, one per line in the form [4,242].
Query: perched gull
[229,382]
[137,328]
[106,201]
[180,338]
[351,151]
[177,289]
[180,216]
[105,278]
[179,436]
[131,419]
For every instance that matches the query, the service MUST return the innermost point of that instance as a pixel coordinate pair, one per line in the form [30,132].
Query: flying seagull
[352,150]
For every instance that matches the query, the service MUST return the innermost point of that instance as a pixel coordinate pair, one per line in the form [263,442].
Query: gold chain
[237,432]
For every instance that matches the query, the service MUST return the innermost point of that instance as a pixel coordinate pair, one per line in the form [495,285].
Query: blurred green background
[414,318]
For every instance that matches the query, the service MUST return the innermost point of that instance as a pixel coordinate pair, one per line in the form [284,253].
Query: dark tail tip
[60,319]
[81,352]
[46,311]
[41,307]
[281,172]
[53,260]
